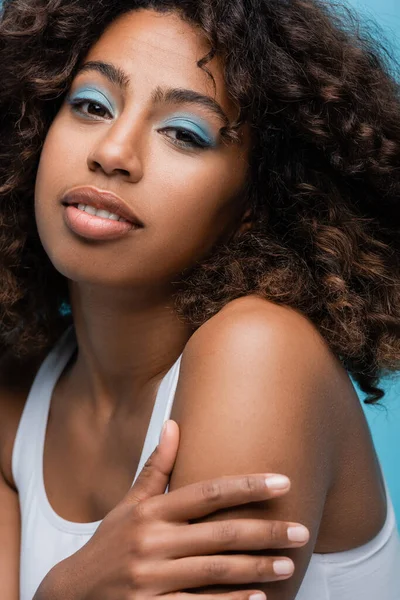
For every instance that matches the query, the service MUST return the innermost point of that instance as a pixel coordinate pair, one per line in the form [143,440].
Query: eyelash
[195,143]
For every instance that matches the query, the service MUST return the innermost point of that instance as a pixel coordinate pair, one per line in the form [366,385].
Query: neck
[126,345]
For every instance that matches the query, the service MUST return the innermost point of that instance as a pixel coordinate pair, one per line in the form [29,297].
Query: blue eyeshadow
[94,95]
[195,125]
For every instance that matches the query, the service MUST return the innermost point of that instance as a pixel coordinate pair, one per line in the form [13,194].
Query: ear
[246,222]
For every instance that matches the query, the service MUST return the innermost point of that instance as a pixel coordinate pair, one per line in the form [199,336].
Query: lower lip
[95,228]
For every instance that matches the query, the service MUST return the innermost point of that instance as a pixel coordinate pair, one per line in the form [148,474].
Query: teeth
[90,209]
[104,214]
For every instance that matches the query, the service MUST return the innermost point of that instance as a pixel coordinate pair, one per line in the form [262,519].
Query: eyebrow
[161,94]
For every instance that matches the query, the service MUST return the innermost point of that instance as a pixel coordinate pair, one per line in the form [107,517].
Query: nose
[115,153]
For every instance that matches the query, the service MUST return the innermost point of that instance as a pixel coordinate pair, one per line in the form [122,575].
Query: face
[160,151]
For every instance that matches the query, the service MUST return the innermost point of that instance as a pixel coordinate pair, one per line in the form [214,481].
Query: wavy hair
[322,100]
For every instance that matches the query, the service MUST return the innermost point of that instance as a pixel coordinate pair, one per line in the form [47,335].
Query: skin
[121,298]
[260,389]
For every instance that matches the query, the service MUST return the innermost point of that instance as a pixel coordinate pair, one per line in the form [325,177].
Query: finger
[199,571]
[200,499]
[240,595]
[154,477]
[241,535]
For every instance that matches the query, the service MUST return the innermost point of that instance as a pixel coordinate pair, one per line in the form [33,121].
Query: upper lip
[101,199]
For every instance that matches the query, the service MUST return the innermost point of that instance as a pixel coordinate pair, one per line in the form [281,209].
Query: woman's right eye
[97,108]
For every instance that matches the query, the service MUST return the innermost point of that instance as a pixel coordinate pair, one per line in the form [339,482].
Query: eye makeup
[194,125]
[91,94]
[187,125]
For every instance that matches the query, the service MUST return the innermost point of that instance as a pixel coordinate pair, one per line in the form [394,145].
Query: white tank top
[370,572]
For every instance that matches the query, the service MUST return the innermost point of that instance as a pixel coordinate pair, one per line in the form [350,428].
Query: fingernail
[163,431]
[283,567]
[297,533]
[258,596]
[277,482]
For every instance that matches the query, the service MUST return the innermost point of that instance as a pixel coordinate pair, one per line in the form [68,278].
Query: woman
[212,187]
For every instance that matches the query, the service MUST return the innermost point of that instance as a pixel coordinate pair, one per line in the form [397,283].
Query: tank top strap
[35,413]
[161,413]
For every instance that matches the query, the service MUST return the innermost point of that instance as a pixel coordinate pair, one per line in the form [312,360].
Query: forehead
[156,49]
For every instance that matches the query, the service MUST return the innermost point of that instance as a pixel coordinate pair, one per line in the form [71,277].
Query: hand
[146,546]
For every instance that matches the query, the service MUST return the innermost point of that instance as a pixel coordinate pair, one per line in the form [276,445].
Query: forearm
[61,583]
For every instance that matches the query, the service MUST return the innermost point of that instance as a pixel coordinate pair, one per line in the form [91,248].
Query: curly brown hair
[323,104]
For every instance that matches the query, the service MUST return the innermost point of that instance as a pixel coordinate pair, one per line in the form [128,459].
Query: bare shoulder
[266,336]
[258,317]
[255,357]
[260,391]
[254,366]
[15,383]
[256,394]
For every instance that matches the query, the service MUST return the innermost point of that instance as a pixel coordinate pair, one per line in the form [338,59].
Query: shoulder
[257,372]
[264,348]
[15,383]
[256,394]
[252,323]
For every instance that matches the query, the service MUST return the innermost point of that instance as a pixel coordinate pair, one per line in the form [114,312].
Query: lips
[103,200]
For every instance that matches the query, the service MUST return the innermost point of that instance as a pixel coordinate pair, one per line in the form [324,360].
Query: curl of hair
[324,186]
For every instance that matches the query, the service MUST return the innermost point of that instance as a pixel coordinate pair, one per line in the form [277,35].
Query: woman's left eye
[185,138]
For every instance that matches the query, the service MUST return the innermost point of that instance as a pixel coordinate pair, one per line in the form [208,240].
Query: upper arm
[9,542]
[253,397]
[12,400]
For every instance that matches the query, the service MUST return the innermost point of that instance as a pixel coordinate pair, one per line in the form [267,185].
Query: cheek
[191,202]
[196,195]
[63,155]
[198,215]
[57,168]
[60,164]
